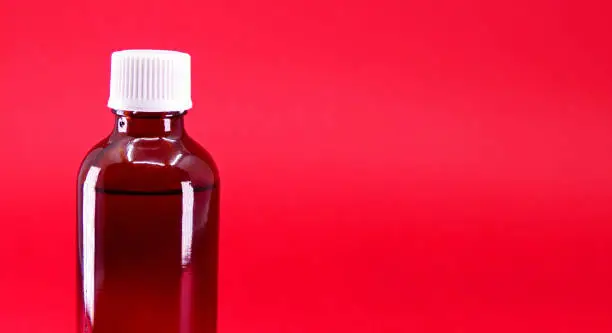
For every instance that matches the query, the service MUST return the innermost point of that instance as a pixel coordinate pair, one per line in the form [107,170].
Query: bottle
[148,208]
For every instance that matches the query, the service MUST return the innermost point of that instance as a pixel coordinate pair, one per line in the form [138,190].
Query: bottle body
[148,223]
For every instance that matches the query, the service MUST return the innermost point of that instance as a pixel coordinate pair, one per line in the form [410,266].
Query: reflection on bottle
[131,145]
[186,223]
[186,244]
[89,240]
[176,159]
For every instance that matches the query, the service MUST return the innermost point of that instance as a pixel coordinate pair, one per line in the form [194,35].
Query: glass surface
[148,221]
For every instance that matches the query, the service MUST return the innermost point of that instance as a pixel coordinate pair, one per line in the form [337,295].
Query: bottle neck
[149,124]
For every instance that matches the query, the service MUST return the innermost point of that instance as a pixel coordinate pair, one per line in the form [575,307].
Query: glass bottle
[148,208]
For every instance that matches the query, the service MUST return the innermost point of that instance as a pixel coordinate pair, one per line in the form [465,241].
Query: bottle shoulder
[149,164]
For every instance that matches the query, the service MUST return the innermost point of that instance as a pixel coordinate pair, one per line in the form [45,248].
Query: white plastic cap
[150,81]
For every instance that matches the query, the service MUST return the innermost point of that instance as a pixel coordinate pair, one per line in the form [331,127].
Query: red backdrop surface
[387,166]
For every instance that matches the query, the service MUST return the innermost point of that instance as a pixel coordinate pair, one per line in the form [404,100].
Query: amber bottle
[148,208]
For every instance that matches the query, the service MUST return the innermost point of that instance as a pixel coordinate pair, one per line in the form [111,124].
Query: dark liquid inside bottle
[148,232]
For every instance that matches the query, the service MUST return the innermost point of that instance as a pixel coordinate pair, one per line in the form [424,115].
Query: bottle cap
[150,81]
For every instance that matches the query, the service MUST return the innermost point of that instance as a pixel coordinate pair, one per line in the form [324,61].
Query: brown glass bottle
[148,230]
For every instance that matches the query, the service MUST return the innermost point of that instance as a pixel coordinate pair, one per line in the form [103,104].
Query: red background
[407,166]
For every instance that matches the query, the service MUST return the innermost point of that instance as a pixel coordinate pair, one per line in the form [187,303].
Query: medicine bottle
[148,208]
